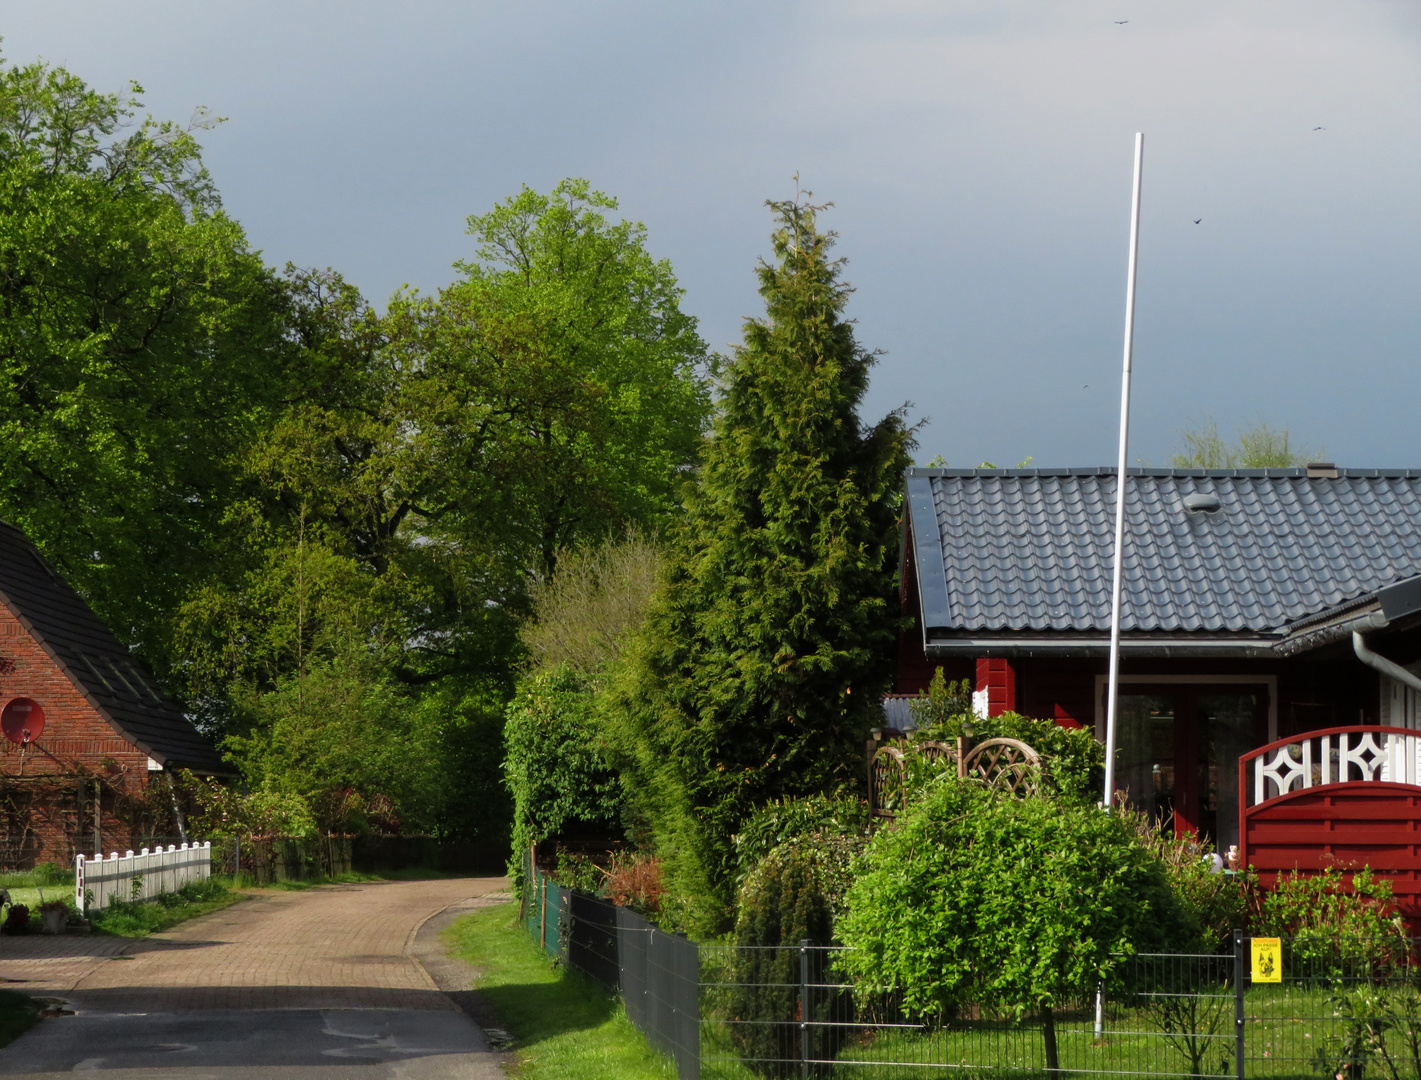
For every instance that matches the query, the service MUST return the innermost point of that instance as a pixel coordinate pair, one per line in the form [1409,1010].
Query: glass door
[1146,738]
[1177,751]
[1228,726]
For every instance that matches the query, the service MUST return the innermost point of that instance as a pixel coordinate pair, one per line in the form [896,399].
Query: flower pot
[54,921]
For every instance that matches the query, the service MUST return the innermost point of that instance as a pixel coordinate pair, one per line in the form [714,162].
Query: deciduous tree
[141,345]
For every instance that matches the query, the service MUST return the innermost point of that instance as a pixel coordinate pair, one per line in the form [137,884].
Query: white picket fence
[98,881]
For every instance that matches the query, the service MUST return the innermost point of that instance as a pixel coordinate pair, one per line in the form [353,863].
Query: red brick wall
[41,799]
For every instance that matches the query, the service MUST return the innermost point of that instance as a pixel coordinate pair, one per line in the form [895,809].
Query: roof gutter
[1382,664]
[1154,647]
[1380,610]
[1322,632]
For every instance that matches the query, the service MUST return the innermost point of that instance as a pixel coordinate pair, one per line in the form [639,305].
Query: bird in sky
[1121,22]
[1319,129]
[1197,220]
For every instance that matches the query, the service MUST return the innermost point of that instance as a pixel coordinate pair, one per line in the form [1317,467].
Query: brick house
[1270,689]
[86,730]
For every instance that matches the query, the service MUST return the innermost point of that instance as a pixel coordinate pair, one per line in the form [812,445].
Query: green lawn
[562,1025]
[140,920]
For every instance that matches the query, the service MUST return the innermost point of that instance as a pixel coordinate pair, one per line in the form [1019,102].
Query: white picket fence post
[98,881]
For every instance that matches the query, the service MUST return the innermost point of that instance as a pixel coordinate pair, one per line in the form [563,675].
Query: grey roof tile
[1030,549]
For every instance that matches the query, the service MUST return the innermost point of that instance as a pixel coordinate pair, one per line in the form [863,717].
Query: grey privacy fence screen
[655,972]
[1348,1008]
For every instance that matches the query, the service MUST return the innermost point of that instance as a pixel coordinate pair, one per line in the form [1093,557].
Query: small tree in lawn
[1017,904]
[760,665]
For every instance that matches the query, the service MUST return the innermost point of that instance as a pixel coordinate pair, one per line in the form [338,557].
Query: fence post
[1238,1004]
[804,1008]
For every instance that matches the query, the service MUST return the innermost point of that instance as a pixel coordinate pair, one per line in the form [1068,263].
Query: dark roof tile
[102,669]
[1030,549]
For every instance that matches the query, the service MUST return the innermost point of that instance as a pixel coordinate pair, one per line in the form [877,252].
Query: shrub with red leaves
[634,881]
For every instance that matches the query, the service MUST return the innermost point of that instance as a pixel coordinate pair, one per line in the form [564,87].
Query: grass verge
[562,1025]
[122,919]
[18,1013]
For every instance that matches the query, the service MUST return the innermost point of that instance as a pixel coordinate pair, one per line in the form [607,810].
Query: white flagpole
[1113,683]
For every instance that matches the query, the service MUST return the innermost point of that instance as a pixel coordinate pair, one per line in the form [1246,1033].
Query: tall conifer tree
[760,665]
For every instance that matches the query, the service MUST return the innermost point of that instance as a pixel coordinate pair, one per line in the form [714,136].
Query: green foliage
[1074,759]
[562,388]
[141,341]
[758,669]
[1377,1022]
[51,873]
[1333,923]
[554,763]
[133,919]
[588,608]
[341,741]
[783,820]
[944,708]
[221,810]
[1216,903]
[793,894]
[1258,447]
[975,896]
[578,872]
[427,471]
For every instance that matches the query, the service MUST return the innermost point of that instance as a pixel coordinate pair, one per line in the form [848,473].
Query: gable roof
[1029,551]
[95,661]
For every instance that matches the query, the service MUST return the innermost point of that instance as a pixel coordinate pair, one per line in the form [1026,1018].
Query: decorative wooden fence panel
[1343,797]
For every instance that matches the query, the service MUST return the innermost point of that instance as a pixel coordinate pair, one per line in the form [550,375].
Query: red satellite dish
[22,720]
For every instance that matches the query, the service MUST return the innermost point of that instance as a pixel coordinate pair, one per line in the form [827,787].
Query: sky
[978,156]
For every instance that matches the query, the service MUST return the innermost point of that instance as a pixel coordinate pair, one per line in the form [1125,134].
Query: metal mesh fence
[1340,1008]
[784,1012]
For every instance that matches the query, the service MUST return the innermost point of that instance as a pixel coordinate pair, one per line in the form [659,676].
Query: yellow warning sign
[1267,959]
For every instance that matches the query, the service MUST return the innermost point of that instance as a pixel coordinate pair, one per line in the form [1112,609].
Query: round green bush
[1016,904]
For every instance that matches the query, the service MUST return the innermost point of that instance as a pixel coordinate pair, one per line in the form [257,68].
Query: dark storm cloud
[978,154]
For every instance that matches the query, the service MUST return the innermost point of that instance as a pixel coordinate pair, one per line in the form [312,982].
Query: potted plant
[55,914]
[17,919]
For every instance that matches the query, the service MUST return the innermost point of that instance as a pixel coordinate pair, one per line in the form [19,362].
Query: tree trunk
[1048,1036]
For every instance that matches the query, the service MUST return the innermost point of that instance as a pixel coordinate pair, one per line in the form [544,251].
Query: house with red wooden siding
[1270,644]
[86,729]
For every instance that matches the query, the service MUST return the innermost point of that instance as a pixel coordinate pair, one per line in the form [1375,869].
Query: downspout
[177,811]
[1382,664]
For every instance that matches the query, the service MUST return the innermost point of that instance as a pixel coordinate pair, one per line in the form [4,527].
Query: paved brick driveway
[339,946]
[284,981]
